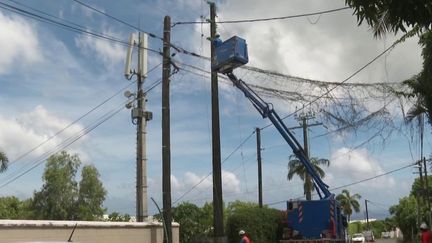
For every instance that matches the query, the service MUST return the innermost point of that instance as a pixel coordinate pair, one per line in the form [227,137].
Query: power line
[379,204]
[178,49]
[76,29]
[47,14]
[78,119]
[117,19]
[205,177]
[72,139]
[249,159]
[357,182]
[263,19]
[374,177]
[407,35]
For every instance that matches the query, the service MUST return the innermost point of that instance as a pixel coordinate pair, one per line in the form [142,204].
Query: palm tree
[421,84]
[296,167]
[3,161]
[349,202]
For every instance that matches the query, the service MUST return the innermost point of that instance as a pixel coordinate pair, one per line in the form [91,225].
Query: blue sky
[50,77]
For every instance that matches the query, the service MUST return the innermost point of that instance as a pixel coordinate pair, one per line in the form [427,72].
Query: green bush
[261,224]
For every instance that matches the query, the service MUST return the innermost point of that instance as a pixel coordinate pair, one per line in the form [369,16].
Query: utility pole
[216,158]
[166,143]
[139,117]
[420,168]
[141,130]
[260,192]
[303,118]
[429,212]
[367,215]
[426,183]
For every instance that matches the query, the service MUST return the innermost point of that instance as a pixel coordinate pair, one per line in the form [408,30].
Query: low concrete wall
[85,232]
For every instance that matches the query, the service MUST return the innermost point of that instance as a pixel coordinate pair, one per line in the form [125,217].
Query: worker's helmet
[242,232]
[423,226]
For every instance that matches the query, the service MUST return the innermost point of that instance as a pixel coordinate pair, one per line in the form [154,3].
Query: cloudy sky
[53,79]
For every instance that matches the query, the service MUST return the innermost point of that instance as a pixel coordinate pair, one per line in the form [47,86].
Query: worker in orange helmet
[244,237]
[426,235]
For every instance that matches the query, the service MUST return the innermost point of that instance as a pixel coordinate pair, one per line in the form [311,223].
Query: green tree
[377,227]
[117,217]
[4,161]
[355,227]
[207,218]
[60,198]
[405,216]
[56,200]
[11,208]
[91,195]
[296,167]
[261,224]
[418,188]
[190,218]
[392,15]
[349,203]
[421,84]
[237,205]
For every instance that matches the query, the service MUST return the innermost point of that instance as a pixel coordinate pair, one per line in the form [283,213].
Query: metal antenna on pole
[139,117]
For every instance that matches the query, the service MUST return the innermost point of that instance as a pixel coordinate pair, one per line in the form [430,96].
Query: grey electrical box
[136,113]
[148,115]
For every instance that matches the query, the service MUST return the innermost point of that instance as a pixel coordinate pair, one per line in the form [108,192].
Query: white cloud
[175,184]
[28,130]
[231,182]
[203,184]
[108,53]
[18,42]
[357,165]
[89,13]
[331,49]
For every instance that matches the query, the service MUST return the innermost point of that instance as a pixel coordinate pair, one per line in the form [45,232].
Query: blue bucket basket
[230,54]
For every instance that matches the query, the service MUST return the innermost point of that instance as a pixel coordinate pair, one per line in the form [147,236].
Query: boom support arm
[266,110]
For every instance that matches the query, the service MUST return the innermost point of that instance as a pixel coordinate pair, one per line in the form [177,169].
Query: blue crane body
[315,219]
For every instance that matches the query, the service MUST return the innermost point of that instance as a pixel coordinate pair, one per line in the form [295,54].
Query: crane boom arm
[267,111]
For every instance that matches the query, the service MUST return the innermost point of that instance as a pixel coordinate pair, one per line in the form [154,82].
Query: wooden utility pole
[166,144]
[303,118]
[429,211]
[426,183]
[216,160]
[420,167]
[260,193]
[367,215]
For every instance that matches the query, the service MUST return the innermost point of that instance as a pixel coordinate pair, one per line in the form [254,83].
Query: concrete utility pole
[143,117]
[260,192]
[139,117]
[166,143]
[216,160]
[303,118]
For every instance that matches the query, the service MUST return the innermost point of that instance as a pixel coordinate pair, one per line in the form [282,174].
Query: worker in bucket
[426,235]
[244,237]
